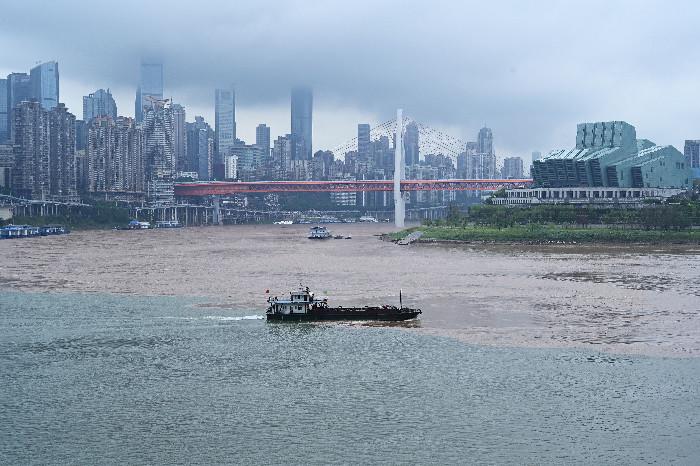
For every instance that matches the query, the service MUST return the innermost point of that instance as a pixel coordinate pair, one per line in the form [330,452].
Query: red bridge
[218,188]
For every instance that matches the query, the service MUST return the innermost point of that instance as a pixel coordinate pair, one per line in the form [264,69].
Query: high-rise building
[7,164]
[536,155]
[363,141]
[692,153]
[302,127]
[200,149]
[62,153]
[180,138]
[99,103]
[692,156]
[30,177]
[44,150]
[512,168]
[159,148]
[262,139]
[231,167]
[44,84]
[115,156]
[81,134]
[411,144]
[485,141]
[18,89]
[281,157]
[4,122]
[150,86]
[224,122]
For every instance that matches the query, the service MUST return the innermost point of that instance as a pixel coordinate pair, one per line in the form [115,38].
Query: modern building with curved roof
[608,154]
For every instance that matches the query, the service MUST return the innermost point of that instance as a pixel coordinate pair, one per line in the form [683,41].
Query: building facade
[99,103]
[691,151]
[262,139]
[114,156]
[44,152]
[608,154]
[159,153]
[180,138]
[44,84]
[18,89]
[150,87]
[200,148]
[363,141]
[4,117]
[301,124]
[62,160]
[411,144]
[512,168]
[224,122]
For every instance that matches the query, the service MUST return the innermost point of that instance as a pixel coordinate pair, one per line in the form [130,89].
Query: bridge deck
[209,188]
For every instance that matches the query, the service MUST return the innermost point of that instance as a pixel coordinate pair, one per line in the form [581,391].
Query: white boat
[319,232]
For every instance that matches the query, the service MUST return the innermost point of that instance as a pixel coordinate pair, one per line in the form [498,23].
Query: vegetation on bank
[550,234]
[100,215]
[670,222]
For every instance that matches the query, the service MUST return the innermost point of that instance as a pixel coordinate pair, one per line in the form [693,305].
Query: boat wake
[234,318]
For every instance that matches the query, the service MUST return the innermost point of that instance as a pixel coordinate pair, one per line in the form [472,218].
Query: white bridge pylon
[399,172]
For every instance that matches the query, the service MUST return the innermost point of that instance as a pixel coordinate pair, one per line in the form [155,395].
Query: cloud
[530,70]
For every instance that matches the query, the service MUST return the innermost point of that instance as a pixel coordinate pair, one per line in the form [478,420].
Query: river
[149,346]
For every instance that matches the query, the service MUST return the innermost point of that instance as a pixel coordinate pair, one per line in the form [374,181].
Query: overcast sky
[530,70]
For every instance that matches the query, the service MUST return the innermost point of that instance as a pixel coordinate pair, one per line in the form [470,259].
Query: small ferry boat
[319,233]
[302,305]
[136,225]
[168,224]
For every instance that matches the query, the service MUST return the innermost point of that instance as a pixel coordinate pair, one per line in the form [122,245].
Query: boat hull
[349,313]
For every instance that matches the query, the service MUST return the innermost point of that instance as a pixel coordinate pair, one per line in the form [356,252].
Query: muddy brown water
[642,299]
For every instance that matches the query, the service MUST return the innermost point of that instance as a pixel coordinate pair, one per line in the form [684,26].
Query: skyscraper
[44,84]
[18,90]
[262,139]
[363,141]
[44,150]
[62,153]
[99,103]
[114,155]
[200,148]
[410,144]
[485,141]
[4,128]
[512,168]
[692,153]
[159,150]
[30,177]
[224,122]
[180,138]
[150,84]
[301,110]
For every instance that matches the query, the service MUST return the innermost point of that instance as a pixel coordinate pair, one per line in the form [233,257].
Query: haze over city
[366,232]
[529,71]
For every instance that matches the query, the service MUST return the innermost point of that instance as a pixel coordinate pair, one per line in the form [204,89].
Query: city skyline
[529,92]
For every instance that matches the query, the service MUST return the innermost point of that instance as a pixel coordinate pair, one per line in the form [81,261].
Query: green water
[102,379]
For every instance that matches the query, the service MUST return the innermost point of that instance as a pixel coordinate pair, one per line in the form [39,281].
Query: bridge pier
[217,220]
[399,170]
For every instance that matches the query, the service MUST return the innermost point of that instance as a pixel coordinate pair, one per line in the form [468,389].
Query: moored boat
[302,305]
[319,233]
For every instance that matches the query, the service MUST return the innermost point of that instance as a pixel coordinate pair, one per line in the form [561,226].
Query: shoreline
[550,235]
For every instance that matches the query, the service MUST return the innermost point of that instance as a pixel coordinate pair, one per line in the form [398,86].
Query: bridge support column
[399,173]
[217,210]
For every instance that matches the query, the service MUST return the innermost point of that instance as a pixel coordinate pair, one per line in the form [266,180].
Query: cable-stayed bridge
[432,142]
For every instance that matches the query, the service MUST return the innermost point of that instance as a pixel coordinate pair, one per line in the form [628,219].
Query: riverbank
[547,234]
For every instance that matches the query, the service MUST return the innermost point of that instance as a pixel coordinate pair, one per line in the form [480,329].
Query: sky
[530,70]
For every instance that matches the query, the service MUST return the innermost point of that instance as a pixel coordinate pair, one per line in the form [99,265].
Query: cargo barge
[302,305]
